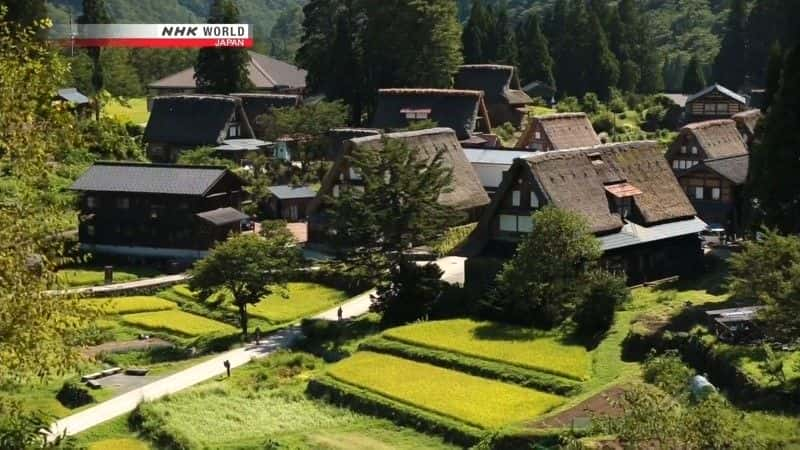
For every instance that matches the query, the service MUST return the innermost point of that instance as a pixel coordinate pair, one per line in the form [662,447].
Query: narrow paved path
[121,287]
[453,268]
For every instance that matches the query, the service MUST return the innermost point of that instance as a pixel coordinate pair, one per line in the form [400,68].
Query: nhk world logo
[167,35]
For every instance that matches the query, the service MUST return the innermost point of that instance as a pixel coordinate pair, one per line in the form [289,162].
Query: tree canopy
[222,70]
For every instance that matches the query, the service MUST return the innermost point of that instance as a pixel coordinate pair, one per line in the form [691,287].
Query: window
[676,164]
[534,200]
[336,190]
[709,108]
[508,223]
[698,193]
[722,108]
[354,175]
[91,202]
[715,193]
[515,198]
[683,149]
[233,130]
[415,114]
[694,150]
[537,135]
[524,224]
[123,203]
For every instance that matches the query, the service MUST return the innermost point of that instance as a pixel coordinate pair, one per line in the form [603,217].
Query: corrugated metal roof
[633,234]
[286,192]
[492,156]
[72,95]
[148,178]
[222,216]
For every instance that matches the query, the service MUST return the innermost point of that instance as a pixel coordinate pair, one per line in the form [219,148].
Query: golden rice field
[302,299]
[501,343]
[118,444]
[128,305]
[177,322]
[474,400]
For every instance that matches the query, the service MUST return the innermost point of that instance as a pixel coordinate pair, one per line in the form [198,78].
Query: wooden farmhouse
[491,165]
[289,202]
[257,104]
[746,122]
[183,122]
[461,110]
[558,132]
[466,195]
[627,193]
[505,100]
[714,102]
[154,211]
[266,74]
[711,161]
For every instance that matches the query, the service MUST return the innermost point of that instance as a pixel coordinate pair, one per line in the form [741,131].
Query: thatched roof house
[746,122]
[505,99]
[258,104]
[712,139]
[626,192]
[461,110]
[185,121]
[558,132]
[466,195]
[265,74]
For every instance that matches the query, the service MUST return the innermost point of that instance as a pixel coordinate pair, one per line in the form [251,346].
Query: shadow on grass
[713,280]
[335,340]
[501,332]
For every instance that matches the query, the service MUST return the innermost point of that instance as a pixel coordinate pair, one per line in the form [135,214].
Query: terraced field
[473,400]
[493,342]
[128,305]
[177,322]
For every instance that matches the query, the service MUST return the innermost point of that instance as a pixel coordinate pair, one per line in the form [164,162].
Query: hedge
[365,402]
[474,366]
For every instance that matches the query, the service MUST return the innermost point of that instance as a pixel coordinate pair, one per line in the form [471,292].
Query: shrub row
[350,283]
[474,366]
[363,401]
[514,439]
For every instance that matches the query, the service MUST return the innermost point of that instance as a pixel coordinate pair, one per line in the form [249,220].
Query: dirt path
[125,346]
[599,404]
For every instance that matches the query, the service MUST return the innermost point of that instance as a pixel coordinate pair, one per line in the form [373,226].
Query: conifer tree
[729,68]
[695,79]
[554,29]
[774,68]
[222,70]
[95,12]
[603,72]
[504,39]
[775,161]
[768,21]
[475,34]
[535,62]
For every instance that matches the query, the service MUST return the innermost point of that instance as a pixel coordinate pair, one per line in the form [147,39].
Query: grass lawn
[303,299]
[135,111]
[111,435]
[134,304]
[518,346]
[95,276]
[42,396]
[477,401]
[177,322]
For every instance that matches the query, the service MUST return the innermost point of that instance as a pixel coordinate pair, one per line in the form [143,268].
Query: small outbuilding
[289,202]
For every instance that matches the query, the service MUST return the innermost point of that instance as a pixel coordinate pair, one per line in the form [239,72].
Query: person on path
[258,335]
[339,313]
[227,365]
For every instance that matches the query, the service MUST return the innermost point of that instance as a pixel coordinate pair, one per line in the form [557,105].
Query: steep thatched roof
[717,138]
[577,180]
[194,120]
[747,120]
[499,84]
[257,104]
[733,168]
[564,131]
[466,189]
[451,108]
[264,72]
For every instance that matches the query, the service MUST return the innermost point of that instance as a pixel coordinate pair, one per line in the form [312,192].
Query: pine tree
[775,161]
[95,11]
[694,80]
[475,34]
[769,21]
[554,29]
[504,39]
[535,63]
[222,70]
[774,68]
[729,68]
[603,73]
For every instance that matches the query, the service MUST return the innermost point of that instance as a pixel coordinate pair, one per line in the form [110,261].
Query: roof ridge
[155,165]
[452,92]
[258,66]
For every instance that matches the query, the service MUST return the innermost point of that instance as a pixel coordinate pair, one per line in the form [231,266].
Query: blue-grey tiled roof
[148,178]
[632,234]
[72,95]
[285,192]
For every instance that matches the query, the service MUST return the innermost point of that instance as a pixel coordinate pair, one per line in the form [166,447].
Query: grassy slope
[177,322]
[134,111]
[303,299]
[512,345]
[95,276]
[477,401]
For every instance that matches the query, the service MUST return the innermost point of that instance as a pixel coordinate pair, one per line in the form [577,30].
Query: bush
[320,329]
[568,104]
[409,294]
[606,293]
[668,372]
[73,395]
[604,122]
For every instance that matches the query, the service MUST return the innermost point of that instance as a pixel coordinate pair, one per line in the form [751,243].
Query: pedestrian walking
[227,365]
[258,335]
[339,313]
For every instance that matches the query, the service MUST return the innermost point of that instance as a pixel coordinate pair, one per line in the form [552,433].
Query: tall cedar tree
[695,79]
[729,69]
[250,267]
[332,53]
[603,73]
[555,31]
[24,12]
[95,11]
[535,63]
[769,21]
[774,68]
[475,37]
[222,70]
[397,208]
[775,161]
[504,39]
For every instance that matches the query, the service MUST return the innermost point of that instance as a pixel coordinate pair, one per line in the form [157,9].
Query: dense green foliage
[694,80]
[247,266]
[410,293]
[728,69]
[535,62]
[222,70]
